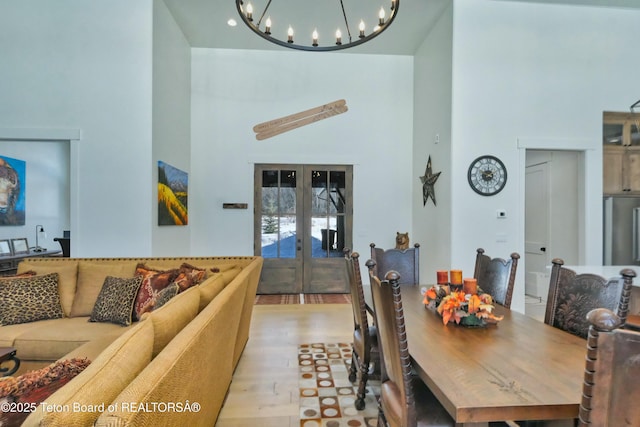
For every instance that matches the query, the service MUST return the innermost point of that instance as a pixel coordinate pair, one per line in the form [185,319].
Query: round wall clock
[487,175]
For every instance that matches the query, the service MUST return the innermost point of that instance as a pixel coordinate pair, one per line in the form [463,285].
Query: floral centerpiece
[460,307]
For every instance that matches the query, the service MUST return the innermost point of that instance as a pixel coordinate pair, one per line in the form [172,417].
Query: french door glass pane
[278,214]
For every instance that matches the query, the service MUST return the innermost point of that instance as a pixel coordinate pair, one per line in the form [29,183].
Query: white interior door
[537,230]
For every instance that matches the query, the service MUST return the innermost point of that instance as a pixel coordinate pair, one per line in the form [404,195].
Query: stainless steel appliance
[621,228]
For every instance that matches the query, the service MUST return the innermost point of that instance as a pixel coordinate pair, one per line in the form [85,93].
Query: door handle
[543,249]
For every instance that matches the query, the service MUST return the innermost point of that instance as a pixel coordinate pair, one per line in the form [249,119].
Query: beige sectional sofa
[173,367]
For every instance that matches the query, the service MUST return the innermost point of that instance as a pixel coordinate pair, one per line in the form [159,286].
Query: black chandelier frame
[361,38]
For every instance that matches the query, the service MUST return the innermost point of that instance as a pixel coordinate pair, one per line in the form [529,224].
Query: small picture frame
[20,246]
[5,248]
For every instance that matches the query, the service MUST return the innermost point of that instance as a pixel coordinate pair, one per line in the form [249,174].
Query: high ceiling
[204,22]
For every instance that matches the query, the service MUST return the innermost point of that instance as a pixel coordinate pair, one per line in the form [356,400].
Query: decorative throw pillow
[27,299]
[115,301]
[36,386]
[189,276]
[165,295]
[153,281]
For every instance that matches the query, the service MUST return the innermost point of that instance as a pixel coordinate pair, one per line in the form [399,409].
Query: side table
[8,354]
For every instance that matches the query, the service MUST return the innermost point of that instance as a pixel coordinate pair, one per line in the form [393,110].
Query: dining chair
[496,276]
[571,296]
[405,261]
[365,352]
[405,401]
[610,389]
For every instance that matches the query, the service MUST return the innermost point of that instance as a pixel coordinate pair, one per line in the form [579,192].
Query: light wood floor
[264,390]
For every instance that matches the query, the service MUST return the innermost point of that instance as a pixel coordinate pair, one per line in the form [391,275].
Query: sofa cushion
[115,301]
[173,317]
[210,288]
[100,382]
[189,275]
[91,276]
[153,281]
[49,340]
[67,278]
[28,299]
[35,386]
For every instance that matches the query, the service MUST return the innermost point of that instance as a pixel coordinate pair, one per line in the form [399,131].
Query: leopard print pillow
[166,294]
[28,299]
[116,299]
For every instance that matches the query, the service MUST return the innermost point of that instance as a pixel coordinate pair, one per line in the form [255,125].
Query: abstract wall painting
[12,191]
[173,185]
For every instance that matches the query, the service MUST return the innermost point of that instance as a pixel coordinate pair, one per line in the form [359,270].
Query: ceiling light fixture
[272,30]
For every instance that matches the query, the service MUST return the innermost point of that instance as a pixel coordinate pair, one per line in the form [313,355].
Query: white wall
[432,137]
[171,120]
[87,65]
[541,74]
[46,190]
[233,90]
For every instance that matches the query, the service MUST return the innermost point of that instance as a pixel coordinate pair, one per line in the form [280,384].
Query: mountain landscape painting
[173,185]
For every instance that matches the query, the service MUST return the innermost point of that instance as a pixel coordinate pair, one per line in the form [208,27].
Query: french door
[302,223]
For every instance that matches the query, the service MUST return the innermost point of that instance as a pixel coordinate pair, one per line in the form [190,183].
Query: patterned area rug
[326,395]
[306,299]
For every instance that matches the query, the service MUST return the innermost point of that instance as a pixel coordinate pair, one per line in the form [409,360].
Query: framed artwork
[173,195]
[20,246]
[5,248]
[12,189]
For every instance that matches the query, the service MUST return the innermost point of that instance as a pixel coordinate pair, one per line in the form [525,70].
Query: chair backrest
[612,368]
[571,296]
[405,261]
[396,389]
[358,304]
[65,245]
[496,276]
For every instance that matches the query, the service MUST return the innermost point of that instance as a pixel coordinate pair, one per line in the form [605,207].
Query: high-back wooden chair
[365,338]
[405,401]
[571,296]
[405,261]
[496,276]
[611,388]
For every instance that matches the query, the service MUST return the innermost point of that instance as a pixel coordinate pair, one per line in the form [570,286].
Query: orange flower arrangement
[465,309]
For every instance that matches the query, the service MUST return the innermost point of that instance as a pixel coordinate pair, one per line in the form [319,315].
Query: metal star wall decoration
[428,180]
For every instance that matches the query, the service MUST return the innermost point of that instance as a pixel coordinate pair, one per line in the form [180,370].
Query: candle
[338,36]
[456,277]
[290,35]
[249,12]
[470,286]
[361,28]
[443,277]
[314,37]
[267,25]
[381,16]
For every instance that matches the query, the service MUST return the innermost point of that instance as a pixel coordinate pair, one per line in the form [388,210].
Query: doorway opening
[553,197]
[302,223]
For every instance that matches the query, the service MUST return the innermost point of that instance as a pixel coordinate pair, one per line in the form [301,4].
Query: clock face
[487,175]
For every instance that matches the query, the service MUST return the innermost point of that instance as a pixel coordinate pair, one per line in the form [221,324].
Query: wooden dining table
[518,369]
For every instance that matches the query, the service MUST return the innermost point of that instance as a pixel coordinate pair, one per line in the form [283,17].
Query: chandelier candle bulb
[314,37]
[381,16]
[361,28]
[249,12]
[290,35]
[267,25]
[338,37]
[470,286]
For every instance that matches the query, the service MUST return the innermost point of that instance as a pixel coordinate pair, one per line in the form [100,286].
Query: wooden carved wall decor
[283,124]
[428,181]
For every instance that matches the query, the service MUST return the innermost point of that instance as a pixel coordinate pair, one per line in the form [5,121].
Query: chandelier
[306,36]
